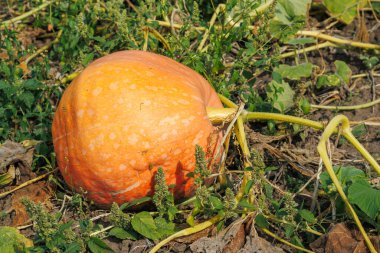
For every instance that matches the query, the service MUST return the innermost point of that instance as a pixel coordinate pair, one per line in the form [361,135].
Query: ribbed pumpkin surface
[124,116]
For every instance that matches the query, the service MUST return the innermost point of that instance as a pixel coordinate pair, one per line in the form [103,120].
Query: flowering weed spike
[163,198]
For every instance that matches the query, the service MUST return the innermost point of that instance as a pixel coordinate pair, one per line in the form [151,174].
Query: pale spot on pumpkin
[132,86]
[116,145]
[183,101]
[113,86]
[146,144]
[97,91]
[112,136]
[132,162]
[164,136]
[105,117]
[186,122]
[150,74]
[120,100]
[133,138]
[122,167]
[90,112]
[84,152]
[109,170]
[126,80]
[154,88]
[169,120]
[164,156]
[147,102]
[174,132]
[125,128]
[80,113]
[105,156]
[91,146]
[177,151]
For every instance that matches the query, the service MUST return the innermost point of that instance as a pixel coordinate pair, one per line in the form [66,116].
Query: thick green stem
[26,14]
[220,115]
[322,149]
[348,107]
[188,231]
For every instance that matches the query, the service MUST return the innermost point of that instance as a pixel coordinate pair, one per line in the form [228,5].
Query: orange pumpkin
[126,115]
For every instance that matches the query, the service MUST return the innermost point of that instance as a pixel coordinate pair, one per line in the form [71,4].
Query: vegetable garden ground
[310,59]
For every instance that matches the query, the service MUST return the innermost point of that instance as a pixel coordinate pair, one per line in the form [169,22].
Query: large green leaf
[295,72]
[123,234]
[281,95]
[289,18]
[343,71]
[164,227]
[345,175]
[287,9]
[365,197]
[144,224]
[11,241]
[96,245]
[343,10]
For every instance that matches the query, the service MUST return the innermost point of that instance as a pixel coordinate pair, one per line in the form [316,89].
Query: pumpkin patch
[126,115]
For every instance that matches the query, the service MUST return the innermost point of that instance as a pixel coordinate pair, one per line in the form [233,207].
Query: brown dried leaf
[259,245]
[36,193]
[13,153]
[341,239]
[28,35]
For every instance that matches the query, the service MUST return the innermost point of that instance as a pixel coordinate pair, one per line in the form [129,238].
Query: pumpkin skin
[126,115]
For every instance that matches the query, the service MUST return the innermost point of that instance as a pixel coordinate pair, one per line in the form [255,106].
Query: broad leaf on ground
[295,72]
[343,10]
[281,95]
[144,224]
[365,197]
[343,71]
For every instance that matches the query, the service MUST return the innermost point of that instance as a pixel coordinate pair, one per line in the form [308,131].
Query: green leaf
[136,202]
[307,215]
[87,59]
[261,221]
[289,230]
[304,105]
[96,245]
[27,98]
[281,95]
[289,18]
[343,71]
[12,241]
[190,220]
[244,204]
[248,186]
[328,81]
[343,10]
[165,228]
[123,234]
[295,72]
[144,224]
[216,202]
[345,175]
[365,197]
[32,84]
[73,248]
[172,211]
[286,9]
